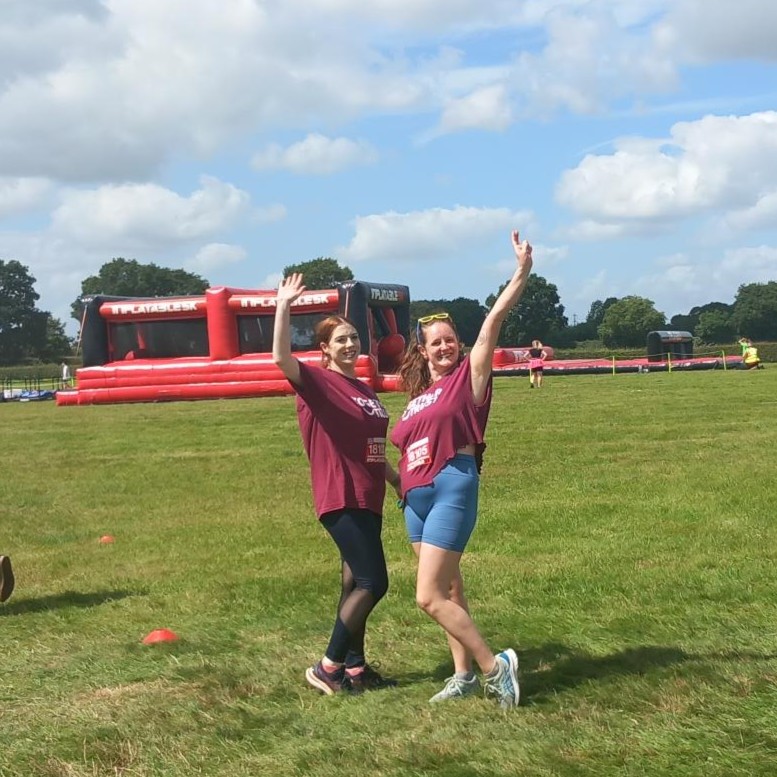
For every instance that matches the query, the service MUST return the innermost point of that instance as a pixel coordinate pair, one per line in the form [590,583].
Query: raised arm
[482,353]
[289,289]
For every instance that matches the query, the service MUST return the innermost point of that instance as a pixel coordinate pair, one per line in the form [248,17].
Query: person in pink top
[343,426]
[440,439]
[537,356]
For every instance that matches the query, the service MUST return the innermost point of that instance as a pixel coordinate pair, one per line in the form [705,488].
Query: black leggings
[365,579]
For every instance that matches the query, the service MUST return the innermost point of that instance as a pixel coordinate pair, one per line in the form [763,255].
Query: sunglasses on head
[428,320]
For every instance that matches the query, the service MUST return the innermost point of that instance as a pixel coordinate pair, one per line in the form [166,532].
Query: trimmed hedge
[44,372]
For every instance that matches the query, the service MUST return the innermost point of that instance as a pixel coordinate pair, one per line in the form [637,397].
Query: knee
[380,586]
[376,584]
[428,601]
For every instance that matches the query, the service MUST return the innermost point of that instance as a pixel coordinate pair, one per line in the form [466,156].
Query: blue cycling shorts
[444,513]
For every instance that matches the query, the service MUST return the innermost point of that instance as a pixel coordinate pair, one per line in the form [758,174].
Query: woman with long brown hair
[440,438]
[343,426]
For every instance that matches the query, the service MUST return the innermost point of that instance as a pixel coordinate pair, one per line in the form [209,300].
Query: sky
[633,142]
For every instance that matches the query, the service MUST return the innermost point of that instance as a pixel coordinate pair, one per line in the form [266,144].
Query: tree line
[30,334]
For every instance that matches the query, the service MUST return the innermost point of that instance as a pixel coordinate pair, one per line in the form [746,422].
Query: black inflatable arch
[669,343]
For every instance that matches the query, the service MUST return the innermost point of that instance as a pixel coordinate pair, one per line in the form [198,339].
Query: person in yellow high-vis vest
[750,356]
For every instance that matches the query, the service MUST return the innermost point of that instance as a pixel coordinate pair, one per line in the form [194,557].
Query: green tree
[58,344]
[627,322]
[755,311]
[538,315]
[715,326]
[598,309]
[129,278]
[585,330]
[321,273]
[22,325]
[690,320]
[572,335]
[467,313]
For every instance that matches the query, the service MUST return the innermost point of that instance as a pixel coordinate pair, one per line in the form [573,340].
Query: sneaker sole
[512,660]
[318,684]
[6,578]
[437,699]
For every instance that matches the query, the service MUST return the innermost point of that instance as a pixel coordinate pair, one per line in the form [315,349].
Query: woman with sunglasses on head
[343,427]
[440,438]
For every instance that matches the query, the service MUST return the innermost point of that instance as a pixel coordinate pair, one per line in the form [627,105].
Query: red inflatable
[218,345]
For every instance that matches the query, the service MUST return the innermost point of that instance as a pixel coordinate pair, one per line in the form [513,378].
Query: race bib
[418,454]
[376,450]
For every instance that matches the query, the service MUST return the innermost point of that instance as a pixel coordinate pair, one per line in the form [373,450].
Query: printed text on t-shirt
[376,450]
[418,454]
[371,407]
[421,403]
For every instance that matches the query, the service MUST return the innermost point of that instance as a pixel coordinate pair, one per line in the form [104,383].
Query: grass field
[626,548]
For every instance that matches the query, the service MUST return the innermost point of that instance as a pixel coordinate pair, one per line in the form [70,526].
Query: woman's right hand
[522,250]
[291,288]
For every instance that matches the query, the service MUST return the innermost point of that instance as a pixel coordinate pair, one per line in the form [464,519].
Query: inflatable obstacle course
[219,345]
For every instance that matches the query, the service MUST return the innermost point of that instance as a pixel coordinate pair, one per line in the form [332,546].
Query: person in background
[440,439]
[537,356]
[7,581]
[343,426]
[750,357]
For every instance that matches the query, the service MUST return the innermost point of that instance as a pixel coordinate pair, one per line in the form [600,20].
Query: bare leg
[438,573]
[462,658]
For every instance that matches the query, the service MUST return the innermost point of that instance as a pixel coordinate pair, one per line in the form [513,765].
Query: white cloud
[724,163]
[131,215]
[588,61]
[486,108]
[315,155]
[214,256]
[427,235]
[100,91]
[18,195]
[544,257]
[761,215]
[102,95]
[708,30]
[683,280]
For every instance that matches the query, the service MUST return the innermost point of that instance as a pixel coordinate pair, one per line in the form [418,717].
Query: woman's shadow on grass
[553,667]
[62,601]
[547,669]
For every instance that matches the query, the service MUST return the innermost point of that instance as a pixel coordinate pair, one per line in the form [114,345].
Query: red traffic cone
[106,539]
[159,635]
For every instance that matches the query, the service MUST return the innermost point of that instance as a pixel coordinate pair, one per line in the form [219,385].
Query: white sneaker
[504,682]
[457,688]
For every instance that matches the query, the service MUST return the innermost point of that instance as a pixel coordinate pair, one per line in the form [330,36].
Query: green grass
[626,547]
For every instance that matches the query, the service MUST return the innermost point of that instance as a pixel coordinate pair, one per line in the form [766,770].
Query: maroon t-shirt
[436,424]
[343,426]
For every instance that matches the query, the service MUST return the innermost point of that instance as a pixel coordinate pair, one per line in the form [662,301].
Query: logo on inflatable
[385,295]
[304,300]
[140,308]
